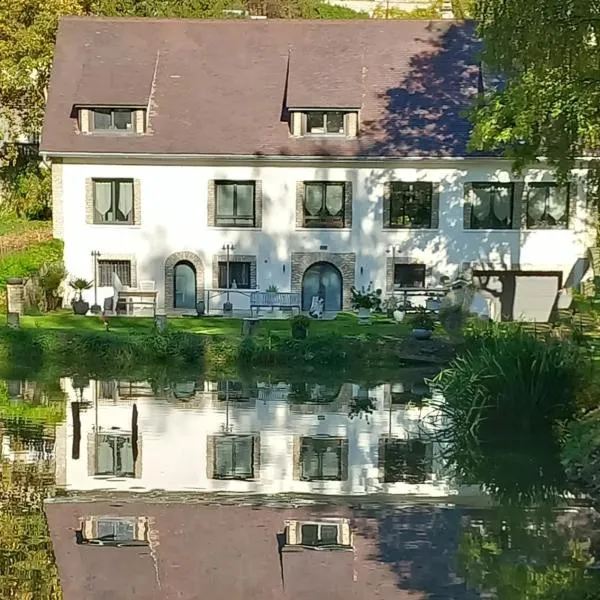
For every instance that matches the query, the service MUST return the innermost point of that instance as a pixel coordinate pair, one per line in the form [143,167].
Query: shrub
[422,320]
[50,279]
[366,298]
[247,351]
[28,262]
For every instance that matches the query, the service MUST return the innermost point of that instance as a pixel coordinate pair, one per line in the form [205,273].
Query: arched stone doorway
[324,280]
[184,281]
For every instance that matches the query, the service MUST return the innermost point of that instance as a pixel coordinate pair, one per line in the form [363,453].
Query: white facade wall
[174,444]
[174,219]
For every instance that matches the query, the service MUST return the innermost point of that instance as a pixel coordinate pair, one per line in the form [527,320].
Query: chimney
[447,12]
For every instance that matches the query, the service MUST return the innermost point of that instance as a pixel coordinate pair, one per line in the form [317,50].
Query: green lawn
[346,324]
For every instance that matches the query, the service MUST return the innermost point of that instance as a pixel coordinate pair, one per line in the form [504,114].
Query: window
[410,204]
[106,268]
[325,122]
[114,455]
[408,461]
[321,459]
[547,206]
[113,201]
[319,534]
[235,204]
[239,275]
[234,457]
[492,206]
[235,391]
[409,276]
[112,119]
[324,204]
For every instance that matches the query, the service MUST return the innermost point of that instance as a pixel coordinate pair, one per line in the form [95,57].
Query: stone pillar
[15,294]
[161,323]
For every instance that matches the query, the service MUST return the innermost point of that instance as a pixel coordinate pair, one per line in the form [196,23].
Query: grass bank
[67,344]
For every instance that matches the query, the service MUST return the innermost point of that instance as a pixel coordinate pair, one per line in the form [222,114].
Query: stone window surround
[211,452]
[211,203]
[519,216]
[298,123]
[300,190]
[170,263]
[297,456]
[217,258]
[109,256]
[435,206]
[89,203]
[344,261]
[403,260]
[91,454]
[85,121]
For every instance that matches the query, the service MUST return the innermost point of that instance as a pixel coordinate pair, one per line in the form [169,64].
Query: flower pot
[96,309]
[227,308]
[364,316]
[200,308]
[422,334]
[399,316]
[80,307]
[298,333]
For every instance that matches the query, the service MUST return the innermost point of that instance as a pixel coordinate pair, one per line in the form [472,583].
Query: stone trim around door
[217,258]
[344,261]
[170,263]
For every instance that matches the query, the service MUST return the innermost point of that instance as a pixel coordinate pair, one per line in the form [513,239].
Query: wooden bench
[288,300]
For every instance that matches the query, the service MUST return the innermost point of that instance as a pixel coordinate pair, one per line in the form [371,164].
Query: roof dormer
[324,122]
[111,120]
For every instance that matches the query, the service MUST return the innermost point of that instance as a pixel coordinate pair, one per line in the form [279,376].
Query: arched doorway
[325,281]
[185,285]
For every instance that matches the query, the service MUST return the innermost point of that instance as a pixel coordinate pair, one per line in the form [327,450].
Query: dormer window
[112,120]
[324,123]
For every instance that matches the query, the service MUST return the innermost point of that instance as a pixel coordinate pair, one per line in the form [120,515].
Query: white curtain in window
[314,199]
[481,203]
[536,202]
[502,203]
[557,202]
[102,194]
[126,197]
[225,199]
[334,199]
[245,199]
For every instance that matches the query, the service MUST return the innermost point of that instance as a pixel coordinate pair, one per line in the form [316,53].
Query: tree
[547,54]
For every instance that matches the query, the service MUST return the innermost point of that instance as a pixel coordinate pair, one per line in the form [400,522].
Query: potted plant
[365,301]
[79,285]
[300,325]
[423,324]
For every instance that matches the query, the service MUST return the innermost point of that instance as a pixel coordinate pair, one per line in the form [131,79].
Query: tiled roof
[225,87]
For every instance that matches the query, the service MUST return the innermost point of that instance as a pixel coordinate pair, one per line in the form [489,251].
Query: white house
[324,154]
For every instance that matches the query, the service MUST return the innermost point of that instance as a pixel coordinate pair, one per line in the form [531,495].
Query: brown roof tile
[219,87]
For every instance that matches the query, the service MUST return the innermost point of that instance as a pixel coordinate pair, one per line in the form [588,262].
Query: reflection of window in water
[115,455]
[15,388]
[408,461]
[184,389]
[234,457]
[407,393]
[114,531]
[319,534]
[321,459]
[313,393]
[106,389]
[235,390]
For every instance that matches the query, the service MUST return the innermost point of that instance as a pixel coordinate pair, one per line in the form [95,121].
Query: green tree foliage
[548,54]
[507,400]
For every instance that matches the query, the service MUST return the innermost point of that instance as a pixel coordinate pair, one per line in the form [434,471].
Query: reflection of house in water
[250,437]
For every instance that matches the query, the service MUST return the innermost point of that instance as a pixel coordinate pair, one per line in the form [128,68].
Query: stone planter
[80,307]
[364,316]
[227,308]
[422,334]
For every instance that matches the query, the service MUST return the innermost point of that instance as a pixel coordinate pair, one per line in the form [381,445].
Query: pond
[176,465]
